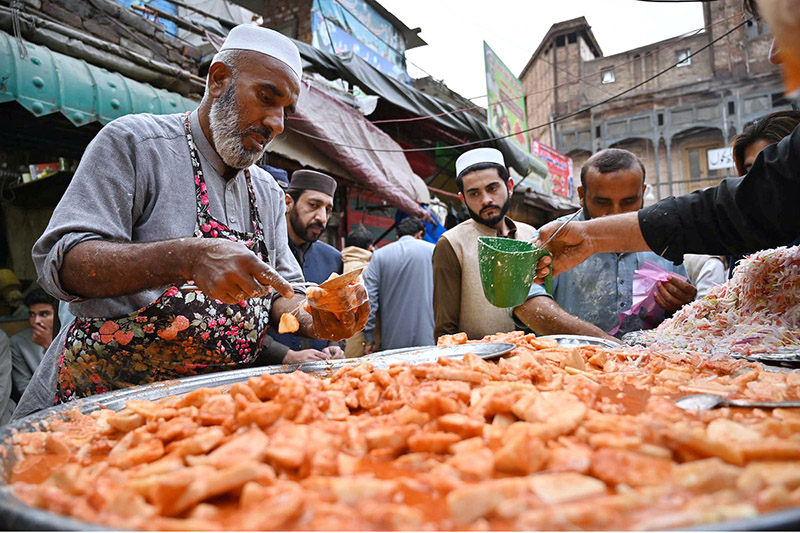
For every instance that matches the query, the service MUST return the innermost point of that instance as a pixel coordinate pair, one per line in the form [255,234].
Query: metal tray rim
[20,516]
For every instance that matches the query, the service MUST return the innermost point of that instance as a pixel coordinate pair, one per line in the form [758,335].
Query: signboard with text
[506,99]
[355,26]
[559,167]
[720,158]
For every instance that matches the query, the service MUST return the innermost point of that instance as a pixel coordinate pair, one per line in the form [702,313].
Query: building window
[683,58]
[607,76]
[778,99]
[731,108]
[694,164]
[598,132]
[697,162]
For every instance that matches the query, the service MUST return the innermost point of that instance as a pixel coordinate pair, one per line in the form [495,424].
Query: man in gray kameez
[399,281]
[124,234]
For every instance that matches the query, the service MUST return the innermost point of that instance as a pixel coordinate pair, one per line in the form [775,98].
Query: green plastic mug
[508,268]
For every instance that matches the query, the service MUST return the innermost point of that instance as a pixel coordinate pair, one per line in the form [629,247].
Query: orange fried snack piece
[288,324]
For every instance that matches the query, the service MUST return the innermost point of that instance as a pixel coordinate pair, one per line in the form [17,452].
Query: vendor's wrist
[190,249]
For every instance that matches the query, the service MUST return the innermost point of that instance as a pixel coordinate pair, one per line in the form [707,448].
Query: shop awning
[354,70]
[557,205]
[49,82]
[334,128]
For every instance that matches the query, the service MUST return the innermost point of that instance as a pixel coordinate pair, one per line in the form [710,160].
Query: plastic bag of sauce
[339,311]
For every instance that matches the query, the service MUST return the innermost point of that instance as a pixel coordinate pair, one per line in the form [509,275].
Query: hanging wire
[532,93]
[554,121]
[15,23]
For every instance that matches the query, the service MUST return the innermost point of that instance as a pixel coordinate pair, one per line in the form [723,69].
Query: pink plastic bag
[645,282]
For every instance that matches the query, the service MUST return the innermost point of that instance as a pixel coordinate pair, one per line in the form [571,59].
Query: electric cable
[547,90]
[554,121]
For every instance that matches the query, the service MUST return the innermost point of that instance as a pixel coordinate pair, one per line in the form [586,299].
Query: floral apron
[182,333]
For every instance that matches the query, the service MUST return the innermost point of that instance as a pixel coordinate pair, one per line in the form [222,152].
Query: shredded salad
[757,311]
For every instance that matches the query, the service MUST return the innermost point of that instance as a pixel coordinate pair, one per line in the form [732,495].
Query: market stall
[557,433]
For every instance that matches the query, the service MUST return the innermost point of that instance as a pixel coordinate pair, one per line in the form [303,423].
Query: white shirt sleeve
[711,274]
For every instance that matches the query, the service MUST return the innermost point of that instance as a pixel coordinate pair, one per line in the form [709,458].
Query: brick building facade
[670,122]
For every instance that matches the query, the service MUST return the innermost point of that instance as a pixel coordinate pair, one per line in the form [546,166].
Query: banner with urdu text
[506,100]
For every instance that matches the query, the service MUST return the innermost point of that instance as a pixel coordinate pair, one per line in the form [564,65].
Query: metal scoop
[562,226]
[704,402]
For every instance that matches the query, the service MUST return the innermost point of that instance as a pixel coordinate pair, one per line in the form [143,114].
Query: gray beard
[226,134]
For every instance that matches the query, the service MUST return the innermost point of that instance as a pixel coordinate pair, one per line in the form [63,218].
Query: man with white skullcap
[170,243]
[458,301]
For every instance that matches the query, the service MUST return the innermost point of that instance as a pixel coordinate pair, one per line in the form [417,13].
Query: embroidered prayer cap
[265,41]
[309,180]
[477,156]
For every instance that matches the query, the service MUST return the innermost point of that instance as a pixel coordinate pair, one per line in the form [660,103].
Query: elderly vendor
[159,201]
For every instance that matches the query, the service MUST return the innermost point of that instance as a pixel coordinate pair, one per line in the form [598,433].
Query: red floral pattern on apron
[182,333]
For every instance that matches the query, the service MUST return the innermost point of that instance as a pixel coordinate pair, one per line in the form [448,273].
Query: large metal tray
[787,358]
[583,340]
[17,516]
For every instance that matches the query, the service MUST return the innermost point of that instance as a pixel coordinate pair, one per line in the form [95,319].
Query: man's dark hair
[359,237]
[611,160]
[501,171]
[409,226]
[772,128]
[295,194]
[38,296]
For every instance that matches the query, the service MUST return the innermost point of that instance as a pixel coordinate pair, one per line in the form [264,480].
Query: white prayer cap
[265,41]
[479,155]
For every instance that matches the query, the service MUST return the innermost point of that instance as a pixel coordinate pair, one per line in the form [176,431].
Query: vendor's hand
[228,271]
[370,348]
[571,247]
[301,356]
[673,294]
[334,352]
[42,335]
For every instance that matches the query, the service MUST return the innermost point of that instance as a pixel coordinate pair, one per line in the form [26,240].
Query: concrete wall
[633,67]
[538,85]
[290,17]
[695,107]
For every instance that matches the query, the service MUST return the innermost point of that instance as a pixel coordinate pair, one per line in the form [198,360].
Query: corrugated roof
[49,82]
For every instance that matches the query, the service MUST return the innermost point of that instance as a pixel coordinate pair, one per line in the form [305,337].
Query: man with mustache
[309,204]
[458,301]
[588,299]
[170,243]
[738,216]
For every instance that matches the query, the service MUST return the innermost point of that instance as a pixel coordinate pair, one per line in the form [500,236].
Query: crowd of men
[419,290]
[178,254]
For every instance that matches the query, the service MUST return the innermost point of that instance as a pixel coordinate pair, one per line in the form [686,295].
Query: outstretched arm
[223,269]
[581,239]
[545,317]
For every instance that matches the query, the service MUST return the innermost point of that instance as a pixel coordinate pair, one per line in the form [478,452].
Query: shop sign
[354,26]
[720,158]
[559,167]
[506,100]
